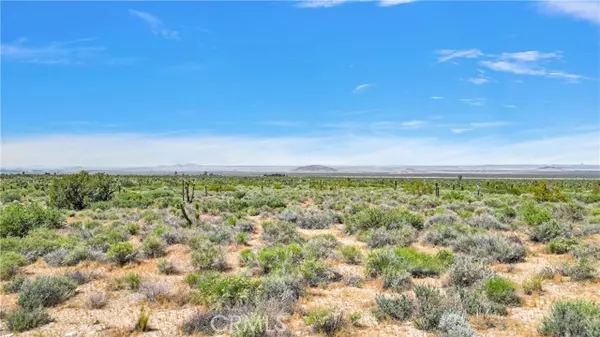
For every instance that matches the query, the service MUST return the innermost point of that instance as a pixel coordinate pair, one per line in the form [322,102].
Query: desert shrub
[96,300]
[281,233]
[22,319]
[354,281]
[210,257]
[382,237]
[397,280]
[14,285]
[155,290]
[378,261]
[443,235]
[582,270]
[549,230]
[561,245]
[277,259]
[282,291]
[314,219]
[166,267]
[56,257]
[542,192]
[535,214]
[77,191]
[202,322]
[225,291]
[133,228]
[501,291]
[487,221]
[467,271]
[141,324]
[76,255]
[321,247]
[491,247]
[589,250]
[590,229]
[572,318]
[446,218]
[375,218]
[398,307]
[419,264]
[316,272]
[533,284]
[431,306]
[10,263]
[153,247]
[570,211]
[132,281]
[474,301]
[252,325]
[241,238]
[325,321]
[505,213]
[45,291]
[18,220]
[121,253]
[78,276]
[351,254]
[455,325]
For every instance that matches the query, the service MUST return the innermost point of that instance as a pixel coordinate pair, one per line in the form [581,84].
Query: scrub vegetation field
[100,255]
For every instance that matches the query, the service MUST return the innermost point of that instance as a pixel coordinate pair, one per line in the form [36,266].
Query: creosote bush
[21,319]
[572,318]
[45,291]
[121,253]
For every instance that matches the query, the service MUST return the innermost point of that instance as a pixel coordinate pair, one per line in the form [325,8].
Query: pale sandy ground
[73,318]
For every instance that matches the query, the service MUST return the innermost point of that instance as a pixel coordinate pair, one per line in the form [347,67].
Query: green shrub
[210,257]
[561,245]
[133,228]
[77,191]
[316,272]
[542,192]
[325,321]
[419,264]
[132,281]
[10,263]
[153,247]
[375,218]
[26,319]
[321,246]
[281,233]
[14,285]
[225,291]
[241,238]
[535,214]
[351,254]
[572,318]
[45,291]
[253,325]
[549,230]
[121,253]
[18,220]
[501,291]
[399,307]
[278,259]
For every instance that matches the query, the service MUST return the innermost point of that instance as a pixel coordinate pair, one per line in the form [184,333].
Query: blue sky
[108,84]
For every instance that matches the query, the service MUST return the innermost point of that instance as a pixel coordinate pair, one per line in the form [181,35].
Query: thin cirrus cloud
[436,97]
[156,25]
[334,3]
[473,101]
[531,62]
[113,150]
[361,88]
[479,125]
[75,52]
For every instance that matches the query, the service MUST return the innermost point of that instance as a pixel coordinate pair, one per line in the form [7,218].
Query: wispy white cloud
[134,150]
[74,52]
[478,80]
[450,54]
[333,3]
[156,25]
[376,126]
[473,101]
[412,124]
[361,88]
[510,106]
[388,3]
[529,56]
[583,10]
[479,125]
[530,68]
[436,97]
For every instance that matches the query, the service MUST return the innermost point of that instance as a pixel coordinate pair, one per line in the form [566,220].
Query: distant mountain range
[507,170]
